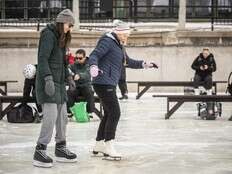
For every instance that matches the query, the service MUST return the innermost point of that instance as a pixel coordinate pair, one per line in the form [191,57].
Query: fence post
[212,14]
[3,9]
[182,15]
[76,13]
[135,11]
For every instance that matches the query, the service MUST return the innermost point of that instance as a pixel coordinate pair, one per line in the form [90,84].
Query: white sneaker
[197,91]
[99,147]
[110,150]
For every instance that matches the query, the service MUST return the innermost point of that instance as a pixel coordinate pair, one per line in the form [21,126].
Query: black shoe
[123,97]
[230,119]
[63,154]
[40,157]
[70,115]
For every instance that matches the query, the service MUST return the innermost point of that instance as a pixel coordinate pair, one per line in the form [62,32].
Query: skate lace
[43,153]
[65,149]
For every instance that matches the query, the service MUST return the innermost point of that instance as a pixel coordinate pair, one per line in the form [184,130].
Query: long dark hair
[64,38]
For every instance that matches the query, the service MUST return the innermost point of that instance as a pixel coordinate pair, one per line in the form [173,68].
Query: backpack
[229,86]
[209,110]
[22,113]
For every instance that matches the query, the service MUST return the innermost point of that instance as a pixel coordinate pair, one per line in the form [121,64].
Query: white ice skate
[99,148]
[110,152]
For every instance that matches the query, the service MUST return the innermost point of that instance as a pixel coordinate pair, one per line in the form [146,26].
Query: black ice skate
[40,157]
[63,154]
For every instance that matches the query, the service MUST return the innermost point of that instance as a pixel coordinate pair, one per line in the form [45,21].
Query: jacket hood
[113,36]
[52,27]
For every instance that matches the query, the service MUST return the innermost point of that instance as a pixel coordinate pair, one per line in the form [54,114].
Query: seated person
[123,85]
[204,65]
[82,78]
[29,73]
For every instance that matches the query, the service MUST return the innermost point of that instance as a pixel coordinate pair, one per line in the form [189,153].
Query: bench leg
[142,92]
[138,87]
[1,107]
[2,92]
[7,109]
[6,89]
[215,89]
[173,109]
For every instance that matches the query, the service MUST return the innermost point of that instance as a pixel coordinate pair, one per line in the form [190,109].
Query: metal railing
[35,13]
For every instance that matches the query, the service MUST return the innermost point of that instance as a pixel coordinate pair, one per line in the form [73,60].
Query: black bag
[229,87]
[22,113]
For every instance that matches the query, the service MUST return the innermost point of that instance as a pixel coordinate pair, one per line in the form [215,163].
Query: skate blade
[109,158]
[41,164]
[65,160]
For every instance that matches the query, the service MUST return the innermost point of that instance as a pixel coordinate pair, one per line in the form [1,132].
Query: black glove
[71,83]
[154,65]
[49,86]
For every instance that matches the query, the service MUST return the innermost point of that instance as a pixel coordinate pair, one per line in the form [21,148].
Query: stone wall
[173,52]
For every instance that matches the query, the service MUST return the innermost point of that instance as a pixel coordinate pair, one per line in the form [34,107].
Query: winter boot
[63,154]
[40,157]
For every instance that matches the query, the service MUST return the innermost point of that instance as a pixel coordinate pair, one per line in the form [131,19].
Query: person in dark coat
[106,63]
[123,85]
[204,65]
[51,77]
[82,78]
[29,87]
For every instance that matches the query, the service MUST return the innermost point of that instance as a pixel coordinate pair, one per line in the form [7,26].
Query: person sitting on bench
[123,85]
[29,73]
[80,71]
[204,65]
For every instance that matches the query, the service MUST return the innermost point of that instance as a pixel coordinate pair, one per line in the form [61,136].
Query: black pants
[205,81]
[123,86]
[86,93]
[108,125]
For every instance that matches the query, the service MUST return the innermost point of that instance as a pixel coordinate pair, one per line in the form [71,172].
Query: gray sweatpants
[53,114]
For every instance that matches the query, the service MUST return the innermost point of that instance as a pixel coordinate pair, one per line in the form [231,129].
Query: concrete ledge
[23,39]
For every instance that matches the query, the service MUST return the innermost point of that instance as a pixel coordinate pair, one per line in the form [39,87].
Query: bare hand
[206,67]
[202,68]
[76,77]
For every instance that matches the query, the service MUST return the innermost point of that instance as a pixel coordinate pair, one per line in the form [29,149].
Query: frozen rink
[182,145]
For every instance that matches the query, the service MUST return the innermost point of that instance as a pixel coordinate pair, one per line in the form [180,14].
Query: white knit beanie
[121,27]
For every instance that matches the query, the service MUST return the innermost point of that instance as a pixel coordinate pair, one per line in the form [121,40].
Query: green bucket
[79,112]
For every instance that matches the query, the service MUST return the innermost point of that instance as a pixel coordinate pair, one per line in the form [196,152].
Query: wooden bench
[148,84]
[11,101]
[4,85]
[180,99]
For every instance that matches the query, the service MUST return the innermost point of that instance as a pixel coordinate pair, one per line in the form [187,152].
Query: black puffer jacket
[201,61]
